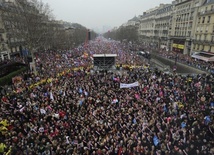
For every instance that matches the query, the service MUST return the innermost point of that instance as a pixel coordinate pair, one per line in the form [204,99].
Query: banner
[124,85]
[175,45]
[180,46]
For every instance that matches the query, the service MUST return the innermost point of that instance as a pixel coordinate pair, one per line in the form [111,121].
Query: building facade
[147,27]
[155,26]
[163,25]
[4,49]
[183,25]
[135,21]
[204,31]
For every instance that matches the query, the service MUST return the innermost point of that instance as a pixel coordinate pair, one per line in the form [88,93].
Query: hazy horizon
[100,15]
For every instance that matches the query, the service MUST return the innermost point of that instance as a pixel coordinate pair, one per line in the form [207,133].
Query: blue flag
[207,120]
[165,108]
[80,90]
[80,102]
[155,140]
[183,124]
[134,121]
[212,104]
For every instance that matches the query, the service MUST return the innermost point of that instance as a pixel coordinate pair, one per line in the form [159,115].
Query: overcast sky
[95,14]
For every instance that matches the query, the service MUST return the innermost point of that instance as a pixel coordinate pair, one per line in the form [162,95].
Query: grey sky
[94,14]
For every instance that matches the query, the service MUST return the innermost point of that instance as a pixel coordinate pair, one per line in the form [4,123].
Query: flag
[212,104]
[165,108]
[207,120]
[116,79]
[51,96]
[80,90]
[137,96]
[114,100]
[155,140]
[183,124]
[134,121]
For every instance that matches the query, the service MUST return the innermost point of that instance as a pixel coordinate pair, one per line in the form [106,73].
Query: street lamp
[175,65]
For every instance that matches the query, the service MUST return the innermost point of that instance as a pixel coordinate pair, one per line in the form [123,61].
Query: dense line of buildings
[184,26]
[22,29]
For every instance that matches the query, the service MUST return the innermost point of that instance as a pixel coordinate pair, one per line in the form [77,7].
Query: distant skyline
[100,14]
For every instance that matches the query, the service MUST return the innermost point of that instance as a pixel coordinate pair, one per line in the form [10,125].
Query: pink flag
[137,96]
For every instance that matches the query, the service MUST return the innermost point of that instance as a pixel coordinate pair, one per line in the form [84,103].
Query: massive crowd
[81,112]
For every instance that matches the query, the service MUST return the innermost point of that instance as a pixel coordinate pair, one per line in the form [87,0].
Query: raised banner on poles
[129,85]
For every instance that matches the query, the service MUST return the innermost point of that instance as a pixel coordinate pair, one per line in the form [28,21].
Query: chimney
[161,5]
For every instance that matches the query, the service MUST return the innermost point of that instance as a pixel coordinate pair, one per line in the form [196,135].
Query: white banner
[124,85]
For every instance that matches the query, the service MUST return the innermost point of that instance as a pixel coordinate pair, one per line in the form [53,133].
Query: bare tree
[128,33]
[55,35]
[26,22]
[80,34]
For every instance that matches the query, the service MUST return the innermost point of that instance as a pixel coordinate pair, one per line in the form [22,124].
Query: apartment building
[24,25]
[155,26]
[135,21]
[4,52]
[147,26]
[9,14]
[183,25]
[163,23]
[204,33]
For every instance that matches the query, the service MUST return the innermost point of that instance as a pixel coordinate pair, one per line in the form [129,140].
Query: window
[207,28]
[208,20]
[203,19]
[212,39]
[201,28]
[202,48]
[197,47]
[205,37]
[199,20]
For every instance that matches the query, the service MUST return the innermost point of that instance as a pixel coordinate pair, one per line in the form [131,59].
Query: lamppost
[33,64]
[175,65]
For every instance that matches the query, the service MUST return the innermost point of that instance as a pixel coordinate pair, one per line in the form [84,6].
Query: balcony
[203,42]
[178,37]
[206,12]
